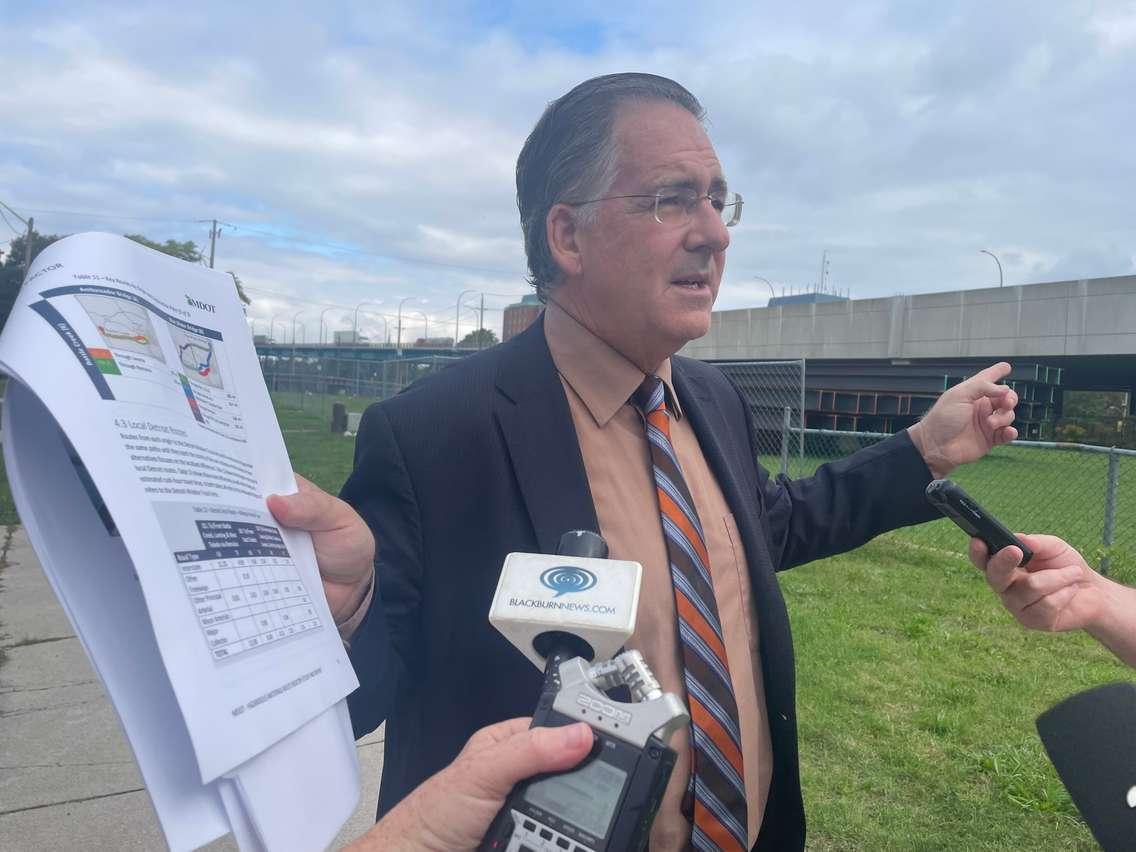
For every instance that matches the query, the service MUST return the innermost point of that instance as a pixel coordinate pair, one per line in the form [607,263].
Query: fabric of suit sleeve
[384,646]
[845,503]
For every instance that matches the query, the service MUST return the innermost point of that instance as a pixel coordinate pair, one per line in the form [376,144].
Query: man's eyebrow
[717,184]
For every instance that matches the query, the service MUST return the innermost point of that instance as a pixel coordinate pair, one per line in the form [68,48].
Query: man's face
[644,287]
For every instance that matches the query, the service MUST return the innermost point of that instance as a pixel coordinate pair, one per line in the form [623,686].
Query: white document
[205,619]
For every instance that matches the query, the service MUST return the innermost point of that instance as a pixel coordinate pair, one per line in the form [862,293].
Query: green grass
[917,695]
[8,514]
[315,452]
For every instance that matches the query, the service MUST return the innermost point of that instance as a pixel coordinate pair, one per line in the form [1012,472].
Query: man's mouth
[690,282]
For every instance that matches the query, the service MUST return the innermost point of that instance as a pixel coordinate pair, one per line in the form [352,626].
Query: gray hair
[572,154]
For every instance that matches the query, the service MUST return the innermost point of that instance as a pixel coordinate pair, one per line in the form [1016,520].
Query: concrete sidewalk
[67,778]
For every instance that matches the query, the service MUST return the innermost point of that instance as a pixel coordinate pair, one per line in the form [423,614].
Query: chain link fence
[1084,493]
[313,385]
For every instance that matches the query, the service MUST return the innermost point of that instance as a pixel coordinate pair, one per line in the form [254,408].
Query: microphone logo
[567,578]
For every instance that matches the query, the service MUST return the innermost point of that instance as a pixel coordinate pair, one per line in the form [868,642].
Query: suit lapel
[532,412]
[712,431]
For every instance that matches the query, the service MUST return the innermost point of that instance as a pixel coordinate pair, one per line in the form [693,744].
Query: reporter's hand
[966,421]
[1056,591]
[451,811]
[345,548]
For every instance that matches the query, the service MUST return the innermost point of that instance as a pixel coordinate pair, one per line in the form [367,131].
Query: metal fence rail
[1085,494]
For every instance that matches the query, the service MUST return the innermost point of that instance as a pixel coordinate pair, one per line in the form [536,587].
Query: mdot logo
[567,578]
[204,306]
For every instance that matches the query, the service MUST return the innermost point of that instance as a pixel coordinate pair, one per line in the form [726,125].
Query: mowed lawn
[917,693]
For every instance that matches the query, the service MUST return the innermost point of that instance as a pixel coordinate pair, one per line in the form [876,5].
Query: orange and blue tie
[717,785]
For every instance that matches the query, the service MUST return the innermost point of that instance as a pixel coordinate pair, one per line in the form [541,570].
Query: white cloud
[378,143]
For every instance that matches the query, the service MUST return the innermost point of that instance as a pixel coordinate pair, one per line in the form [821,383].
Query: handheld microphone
[561,612]
[577,603]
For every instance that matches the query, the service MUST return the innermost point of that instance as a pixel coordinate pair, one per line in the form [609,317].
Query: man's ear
[563,233]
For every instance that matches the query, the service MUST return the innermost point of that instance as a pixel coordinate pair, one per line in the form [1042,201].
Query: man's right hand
[345,548]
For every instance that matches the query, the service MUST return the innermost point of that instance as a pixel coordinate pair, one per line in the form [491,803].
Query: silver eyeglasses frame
[728,202]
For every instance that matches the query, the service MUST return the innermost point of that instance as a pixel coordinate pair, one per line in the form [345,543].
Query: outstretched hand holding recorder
[950,499]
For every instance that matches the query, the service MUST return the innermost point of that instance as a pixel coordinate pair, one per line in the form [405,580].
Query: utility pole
[28,246]
[481,324]
[212,243]
[30,223]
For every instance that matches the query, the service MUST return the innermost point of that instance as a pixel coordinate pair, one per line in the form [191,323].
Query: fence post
[786,424]
[1110,506]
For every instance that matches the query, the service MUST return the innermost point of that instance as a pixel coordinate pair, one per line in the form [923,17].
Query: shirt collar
[602,377]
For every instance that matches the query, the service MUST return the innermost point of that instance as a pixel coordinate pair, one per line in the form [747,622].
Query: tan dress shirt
[598,382]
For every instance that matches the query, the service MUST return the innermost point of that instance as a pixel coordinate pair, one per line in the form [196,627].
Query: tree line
[12,269]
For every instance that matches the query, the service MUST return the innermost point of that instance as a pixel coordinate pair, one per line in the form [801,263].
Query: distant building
[520,316]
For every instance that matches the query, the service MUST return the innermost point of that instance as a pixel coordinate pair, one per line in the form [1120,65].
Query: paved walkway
[67,778]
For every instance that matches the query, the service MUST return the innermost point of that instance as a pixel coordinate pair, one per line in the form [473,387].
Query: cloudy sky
[365,151]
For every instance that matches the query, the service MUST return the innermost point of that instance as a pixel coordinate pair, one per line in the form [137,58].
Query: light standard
[772,292]
[324,311]
[984,251]
[425,324]
[398,339]
[457,316]
[355,324]
[272,328]
[294,318]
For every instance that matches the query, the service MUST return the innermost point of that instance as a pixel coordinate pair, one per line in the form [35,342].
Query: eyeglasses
[677,205]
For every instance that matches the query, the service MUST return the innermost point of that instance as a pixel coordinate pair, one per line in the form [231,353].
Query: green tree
[12,268]
[241,294]
[479,339]
[187,250]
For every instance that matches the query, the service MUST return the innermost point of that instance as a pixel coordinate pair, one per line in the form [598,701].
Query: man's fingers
[311,508]
[1002,568]
[979,553]
[487,737]
[994,374]
[525,754]
[1032,589]
[1044,612]
[1005,435]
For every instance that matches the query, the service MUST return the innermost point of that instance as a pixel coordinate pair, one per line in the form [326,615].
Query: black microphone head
[582,543]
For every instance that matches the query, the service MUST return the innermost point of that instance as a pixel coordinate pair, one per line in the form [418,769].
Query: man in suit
[589,421]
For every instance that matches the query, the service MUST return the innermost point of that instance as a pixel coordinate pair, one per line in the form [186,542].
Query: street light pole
[355,324]
[294,318]
[398,338]
[324,311]
[457,316]
[984,251]
[772,292]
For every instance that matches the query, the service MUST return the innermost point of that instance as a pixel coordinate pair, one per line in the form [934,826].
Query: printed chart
[244,587]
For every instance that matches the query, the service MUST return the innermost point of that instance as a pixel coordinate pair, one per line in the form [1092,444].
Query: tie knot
[650,395]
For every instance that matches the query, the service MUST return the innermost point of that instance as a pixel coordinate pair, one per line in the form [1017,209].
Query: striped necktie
[718,789]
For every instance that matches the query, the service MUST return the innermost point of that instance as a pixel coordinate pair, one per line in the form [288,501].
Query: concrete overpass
[1087,327]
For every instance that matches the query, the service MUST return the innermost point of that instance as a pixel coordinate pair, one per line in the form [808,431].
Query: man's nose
[707,230]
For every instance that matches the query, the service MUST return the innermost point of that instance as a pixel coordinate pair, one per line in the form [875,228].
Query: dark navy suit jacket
[481,460]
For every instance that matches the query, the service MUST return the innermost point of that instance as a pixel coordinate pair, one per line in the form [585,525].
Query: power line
[301,238]
[402,258]
[109,217]
[9,224]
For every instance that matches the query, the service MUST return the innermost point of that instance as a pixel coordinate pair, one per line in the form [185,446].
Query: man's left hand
[966,421]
